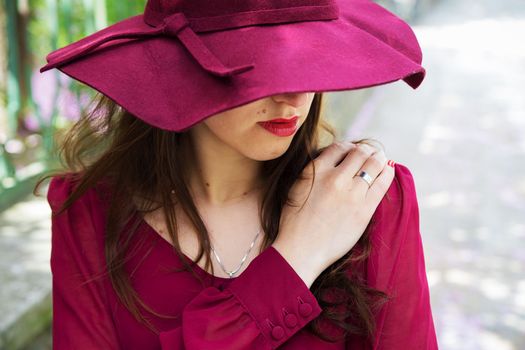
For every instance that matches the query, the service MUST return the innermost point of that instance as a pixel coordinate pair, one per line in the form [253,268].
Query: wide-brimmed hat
[182,61]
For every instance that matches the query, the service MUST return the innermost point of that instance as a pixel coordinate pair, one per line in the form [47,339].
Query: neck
[221,176]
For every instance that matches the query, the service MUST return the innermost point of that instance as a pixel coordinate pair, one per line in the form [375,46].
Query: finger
[333,154]
[354,160]
[373,167]
[380,186]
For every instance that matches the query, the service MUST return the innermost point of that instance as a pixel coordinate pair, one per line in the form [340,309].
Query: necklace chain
[231,273]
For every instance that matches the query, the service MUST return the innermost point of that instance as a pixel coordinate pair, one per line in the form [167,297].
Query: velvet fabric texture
[266,307]
[182,61]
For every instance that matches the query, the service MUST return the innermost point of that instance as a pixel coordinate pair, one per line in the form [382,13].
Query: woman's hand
[338,209]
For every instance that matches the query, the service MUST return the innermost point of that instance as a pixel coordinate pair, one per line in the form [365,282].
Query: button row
[290,319]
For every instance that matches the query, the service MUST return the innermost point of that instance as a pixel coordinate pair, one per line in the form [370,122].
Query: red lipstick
[281,126]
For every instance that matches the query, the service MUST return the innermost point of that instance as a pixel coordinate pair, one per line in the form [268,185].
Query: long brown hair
[138,160]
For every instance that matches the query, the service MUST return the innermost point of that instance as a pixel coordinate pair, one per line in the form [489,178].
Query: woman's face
[239,127]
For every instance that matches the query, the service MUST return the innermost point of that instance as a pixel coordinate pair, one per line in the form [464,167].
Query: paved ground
[25,276]
[462,133]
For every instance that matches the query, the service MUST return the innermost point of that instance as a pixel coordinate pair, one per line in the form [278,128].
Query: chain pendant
[231,273]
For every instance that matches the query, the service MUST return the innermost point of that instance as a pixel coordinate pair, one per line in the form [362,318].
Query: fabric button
[290,320]
[277,332]
[305,309]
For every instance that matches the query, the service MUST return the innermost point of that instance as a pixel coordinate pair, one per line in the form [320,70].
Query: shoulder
[62,186]
[77,236]
[404,181]
[401,195]
[396,214]
[393,228]
[82,221]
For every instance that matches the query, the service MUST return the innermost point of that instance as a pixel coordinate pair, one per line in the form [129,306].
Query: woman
[314,247]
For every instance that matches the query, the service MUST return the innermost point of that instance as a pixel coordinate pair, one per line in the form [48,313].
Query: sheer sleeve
[81,317]
[397,266]
[262,308]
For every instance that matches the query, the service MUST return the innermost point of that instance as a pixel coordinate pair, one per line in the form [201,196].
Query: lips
[281,126]
[291,120]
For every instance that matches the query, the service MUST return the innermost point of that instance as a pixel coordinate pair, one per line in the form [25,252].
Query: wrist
[305,266]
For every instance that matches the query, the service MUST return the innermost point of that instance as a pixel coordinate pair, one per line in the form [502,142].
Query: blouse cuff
[274,294]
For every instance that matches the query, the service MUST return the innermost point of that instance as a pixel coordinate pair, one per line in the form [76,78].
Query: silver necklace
[231,273]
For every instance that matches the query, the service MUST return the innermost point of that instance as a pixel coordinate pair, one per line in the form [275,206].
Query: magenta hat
[182,61]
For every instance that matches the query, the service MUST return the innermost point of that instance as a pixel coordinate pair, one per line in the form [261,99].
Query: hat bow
[178,25]
[175,25]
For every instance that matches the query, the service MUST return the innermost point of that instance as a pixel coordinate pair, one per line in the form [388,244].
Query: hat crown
[206,15]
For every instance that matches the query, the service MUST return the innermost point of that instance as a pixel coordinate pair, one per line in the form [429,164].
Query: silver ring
[365,176]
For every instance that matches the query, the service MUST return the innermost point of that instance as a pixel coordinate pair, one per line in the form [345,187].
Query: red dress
[266,307]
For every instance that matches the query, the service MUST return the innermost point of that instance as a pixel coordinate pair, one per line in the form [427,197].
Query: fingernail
[391,163]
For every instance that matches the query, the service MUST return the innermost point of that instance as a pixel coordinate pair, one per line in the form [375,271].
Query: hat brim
[158,81]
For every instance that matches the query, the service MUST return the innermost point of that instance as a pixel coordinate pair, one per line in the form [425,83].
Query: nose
[296,99]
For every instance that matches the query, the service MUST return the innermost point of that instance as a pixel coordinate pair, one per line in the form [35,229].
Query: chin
[269,154]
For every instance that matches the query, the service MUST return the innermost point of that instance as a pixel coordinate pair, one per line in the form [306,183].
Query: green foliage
[123,9]
[57,23]
[51,24]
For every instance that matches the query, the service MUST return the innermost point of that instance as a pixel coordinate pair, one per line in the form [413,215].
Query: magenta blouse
[266,307]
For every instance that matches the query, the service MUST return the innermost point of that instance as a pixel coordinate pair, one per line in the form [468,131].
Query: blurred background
[461,133]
